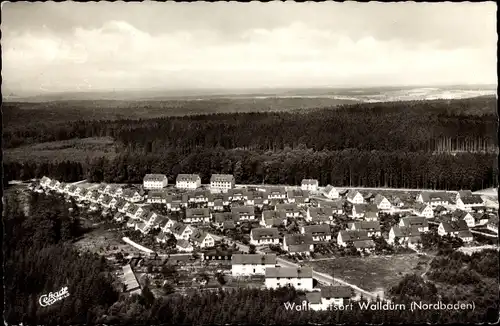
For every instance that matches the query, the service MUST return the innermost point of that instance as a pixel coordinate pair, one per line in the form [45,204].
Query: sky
[96,46]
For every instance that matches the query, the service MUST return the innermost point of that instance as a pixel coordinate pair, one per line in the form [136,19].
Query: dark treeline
[289,166]
[39,259]
[397,126]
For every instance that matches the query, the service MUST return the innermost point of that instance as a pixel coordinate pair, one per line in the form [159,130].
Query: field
[374,274]
[74,149]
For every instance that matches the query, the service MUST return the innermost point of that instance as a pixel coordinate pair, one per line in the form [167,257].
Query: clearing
[375,273]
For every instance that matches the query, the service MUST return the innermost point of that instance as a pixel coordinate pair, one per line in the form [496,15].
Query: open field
[375,274]
[18,113]
[73,149]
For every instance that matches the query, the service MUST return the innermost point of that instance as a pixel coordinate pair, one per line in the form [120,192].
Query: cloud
[119,55]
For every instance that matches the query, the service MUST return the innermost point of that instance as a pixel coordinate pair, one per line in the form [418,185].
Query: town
[266,235]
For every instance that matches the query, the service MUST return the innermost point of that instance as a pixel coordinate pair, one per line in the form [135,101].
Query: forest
[422,144]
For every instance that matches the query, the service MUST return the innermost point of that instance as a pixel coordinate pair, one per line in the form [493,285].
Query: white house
[463,215]
[251,264]
[157,197]
[299,278]
[298,243]
[367,211]
[434,199]
[492,224]
[319,215]
[45,182]
[176,203]
[403,233]
[132,195]
[309,185]
[329,296]
[337,206]
[262,236]
[470,202]
[221,182]
[346,236]
[291,210]
[243,213]
[273,219]
[318,232]
[455,228]
[184,246]
[181,231]
[331,192]
[276,193]
[423,209]
[382,203]
[188,181]
[462,194]
[355,197]
[155,181]
[372,227]
[202,239]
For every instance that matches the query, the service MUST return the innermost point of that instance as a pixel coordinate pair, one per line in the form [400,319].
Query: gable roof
[329,189]
[313,297]
[365,208]
[254,259]
[304,272]
[243,210]
[428,196]
[314,229]
[155,177]
[199,235]
[362,244]
[420,207]
[312,182]
[197,212]
[337,292]
[316,212]
[455,226]
[403,231]
[378,199]
[222,217]
[287,207]
[354,235]
[299,239]
[188,177]
[352,193]
[464,193]
[268,214]
[266,233]
[460,214]
[415,220]
[178,228]
[366,225]
[471,200]
[157,194]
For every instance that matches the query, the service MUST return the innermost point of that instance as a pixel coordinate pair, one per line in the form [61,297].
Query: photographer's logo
[48,299]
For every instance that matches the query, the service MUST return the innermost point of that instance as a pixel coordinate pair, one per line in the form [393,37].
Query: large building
[310,185]
[188,181]
[299,278]
[263,236]
[221,182]
[253,264]
[155,181]
[434,199]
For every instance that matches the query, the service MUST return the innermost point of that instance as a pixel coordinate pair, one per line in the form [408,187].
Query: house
[463,215]
[298,243]
[336,206]
[200,196]
[319,215]
[202,239]
[331,192]
[122,205]
[273,218]
[263,236]
[188,181]
[492,224]
[220,218]
[162,237]
[218,205]
[184,246]
[142,227]
[480,218]
[397,202]
[94,196]
[318,232]
[418,221]
[106,201]
[82,193]
[198,215]
[298,197]
[101,188]
[157,197]
[355,197]
[463,194]
[403,234]
[291,210]
[93,207]
[455,228]
[228,225]
[72,190]
[434,199]
[133,211]
[467,203]
[260,198]
[54,185]
[328,297]
[251,264]
[369,212]
[149,217]
[346,236]
[167,224]
[372,227]
[440,210]
[309,185]
[181,231]
[154,181]
[382,203]
[221,182]
[300,278]
[243,213]
[132,195]
[113,202]
[119,217]
[423,209]
[61,187]
[45,182]
[276,193]
[116,191]
[238,194]
[158,221]
[176,203]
